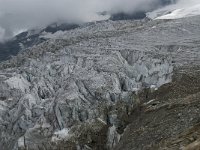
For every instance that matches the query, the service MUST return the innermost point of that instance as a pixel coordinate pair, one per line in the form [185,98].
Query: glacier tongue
[67,88]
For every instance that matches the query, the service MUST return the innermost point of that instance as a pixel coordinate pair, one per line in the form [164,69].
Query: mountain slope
[32,37]
[79,88]
[29,38]
[167,118]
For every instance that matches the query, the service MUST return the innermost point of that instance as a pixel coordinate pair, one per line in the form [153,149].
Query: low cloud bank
[17,15]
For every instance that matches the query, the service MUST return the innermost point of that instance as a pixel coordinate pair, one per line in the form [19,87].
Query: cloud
[16,15]
[2,34]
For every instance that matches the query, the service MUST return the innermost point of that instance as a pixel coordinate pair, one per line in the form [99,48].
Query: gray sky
[17,15]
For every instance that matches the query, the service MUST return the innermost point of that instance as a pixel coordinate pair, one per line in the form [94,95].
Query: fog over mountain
[18,15]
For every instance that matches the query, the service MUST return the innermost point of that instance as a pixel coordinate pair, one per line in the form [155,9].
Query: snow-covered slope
[184,12]
[179,10]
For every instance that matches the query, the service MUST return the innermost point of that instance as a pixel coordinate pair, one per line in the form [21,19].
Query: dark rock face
[125,16]
[63,27]
[167,2]
[28,39]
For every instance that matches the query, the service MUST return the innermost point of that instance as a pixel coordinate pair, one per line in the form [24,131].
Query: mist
[19,15]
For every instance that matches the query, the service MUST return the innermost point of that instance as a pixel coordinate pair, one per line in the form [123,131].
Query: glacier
[62,93]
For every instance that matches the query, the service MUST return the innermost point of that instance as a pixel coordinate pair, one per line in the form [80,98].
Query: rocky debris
[78,90]
[168,118]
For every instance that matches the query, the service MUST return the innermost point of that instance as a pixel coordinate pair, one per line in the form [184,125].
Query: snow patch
[181,13]
[3,106]
[113,137]
[18,82]
[180,10]
[102,121]
[21,143]
[60,135]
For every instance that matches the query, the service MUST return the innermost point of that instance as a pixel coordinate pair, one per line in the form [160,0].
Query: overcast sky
[17,15]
